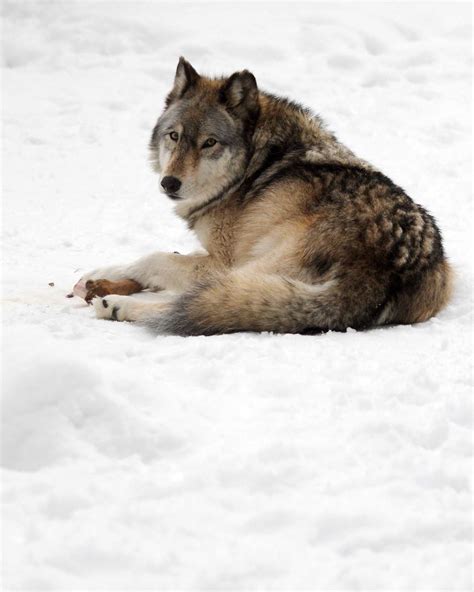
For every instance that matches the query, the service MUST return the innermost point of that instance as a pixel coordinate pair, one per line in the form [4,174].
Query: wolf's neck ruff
[200,210]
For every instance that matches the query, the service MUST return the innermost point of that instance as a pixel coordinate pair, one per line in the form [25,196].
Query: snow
[137,462]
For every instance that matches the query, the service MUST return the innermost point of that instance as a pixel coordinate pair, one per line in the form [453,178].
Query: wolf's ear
[186,77]
[240,94]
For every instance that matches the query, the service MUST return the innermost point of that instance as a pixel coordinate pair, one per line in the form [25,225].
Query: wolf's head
[201,144]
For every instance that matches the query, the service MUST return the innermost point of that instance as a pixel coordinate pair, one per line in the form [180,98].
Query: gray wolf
[299,234]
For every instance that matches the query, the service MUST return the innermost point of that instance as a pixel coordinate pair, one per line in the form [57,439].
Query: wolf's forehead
[196,118]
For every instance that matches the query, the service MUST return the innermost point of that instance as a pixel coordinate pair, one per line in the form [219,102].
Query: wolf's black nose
[170,184]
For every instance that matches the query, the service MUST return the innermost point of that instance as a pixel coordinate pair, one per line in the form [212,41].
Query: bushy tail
[243,301]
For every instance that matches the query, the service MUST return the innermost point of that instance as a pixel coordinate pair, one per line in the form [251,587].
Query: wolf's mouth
[173,196]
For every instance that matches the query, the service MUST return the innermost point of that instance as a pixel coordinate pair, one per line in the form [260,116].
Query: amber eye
[174,136]
[209,143]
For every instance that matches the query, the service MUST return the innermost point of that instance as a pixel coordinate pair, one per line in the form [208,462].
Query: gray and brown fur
[300,235]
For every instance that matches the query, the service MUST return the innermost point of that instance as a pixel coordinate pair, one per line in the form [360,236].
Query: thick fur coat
[298,234]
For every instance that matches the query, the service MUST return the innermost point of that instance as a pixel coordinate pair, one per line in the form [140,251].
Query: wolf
[299,235]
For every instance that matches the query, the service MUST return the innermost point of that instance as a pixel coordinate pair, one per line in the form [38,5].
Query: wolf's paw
[116,308]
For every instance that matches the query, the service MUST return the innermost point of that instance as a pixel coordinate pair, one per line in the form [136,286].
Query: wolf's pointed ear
[240,94]
[186,77]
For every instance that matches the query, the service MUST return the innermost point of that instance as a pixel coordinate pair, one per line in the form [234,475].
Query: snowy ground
[238,462]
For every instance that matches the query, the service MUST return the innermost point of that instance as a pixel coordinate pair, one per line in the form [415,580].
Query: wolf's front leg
[171,271]
[159,271]
[104,281]
[124,308]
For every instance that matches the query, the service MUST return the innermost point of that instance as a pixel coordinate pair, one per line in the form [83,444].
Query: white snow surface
[242,462]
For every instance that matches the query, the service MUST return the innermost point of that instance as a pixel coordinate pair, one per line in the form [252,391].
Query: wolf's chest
[216,235]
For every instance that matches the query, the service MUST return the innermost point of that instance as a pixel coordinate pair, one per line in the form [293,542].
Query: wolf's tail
[243,301]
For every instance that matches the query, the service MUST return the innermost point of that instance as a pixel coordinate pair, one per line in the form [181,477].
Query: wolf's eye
[209,143]
[174,136]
